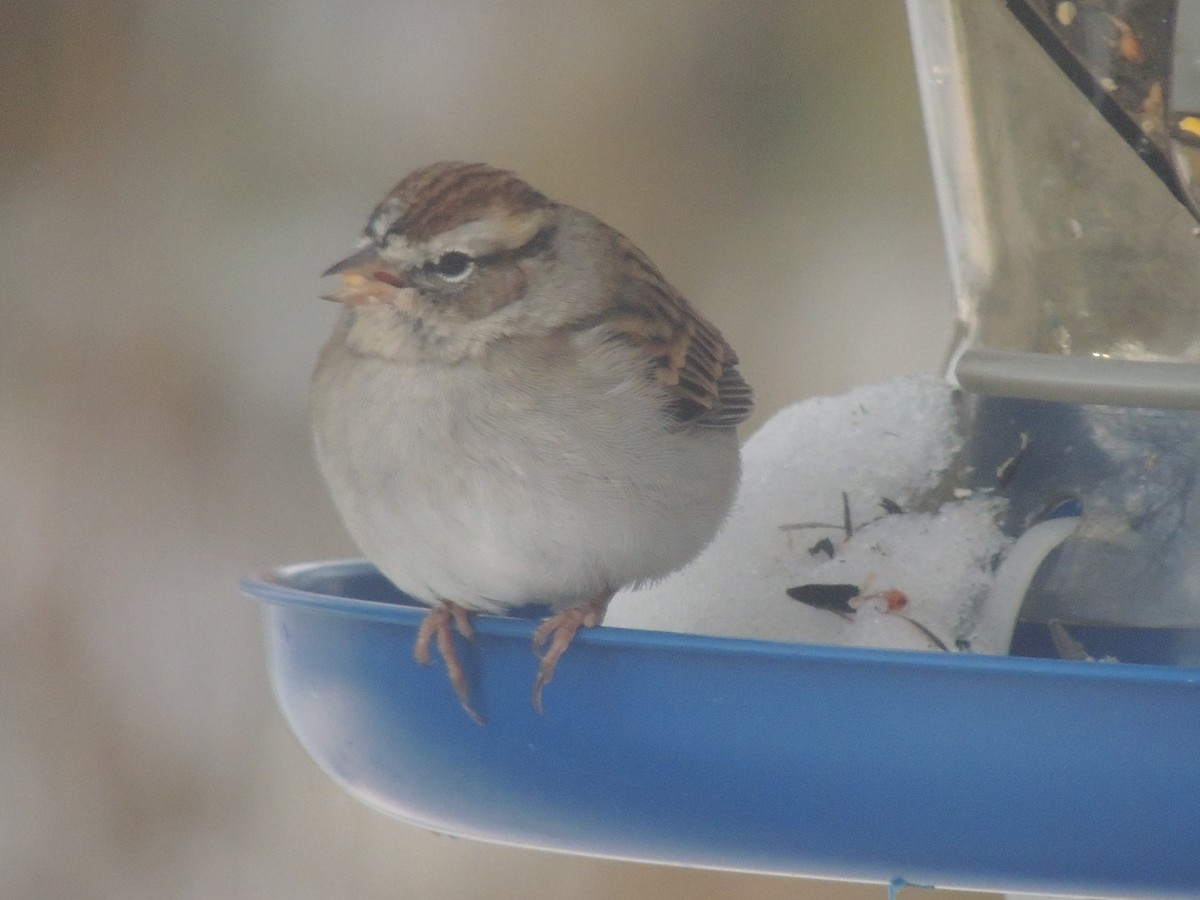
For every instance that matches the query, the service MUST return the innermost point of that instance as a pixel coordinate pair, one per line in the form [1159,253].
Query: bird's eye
[453,265]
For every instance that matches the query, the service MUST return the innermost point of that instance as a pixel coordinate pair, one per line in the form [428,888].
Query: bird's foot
[559,630]
[438,624]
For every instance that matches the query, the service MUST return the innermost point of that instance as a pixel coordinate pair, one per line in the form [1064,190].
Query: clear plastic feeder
[1063,137]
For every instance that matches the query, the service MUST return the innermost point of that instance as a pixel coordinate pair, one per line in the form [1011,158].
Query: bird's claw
[437,625]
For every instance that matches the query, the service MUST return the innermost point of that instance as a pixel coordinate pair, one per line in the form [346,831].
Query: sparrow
[516,407]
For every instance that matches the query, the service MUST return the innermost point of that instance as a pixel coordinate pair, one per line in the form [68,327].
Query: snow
[921,550]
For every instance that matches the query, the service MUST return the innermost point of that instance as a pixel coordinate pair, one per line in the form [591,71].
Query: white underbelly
[495,505]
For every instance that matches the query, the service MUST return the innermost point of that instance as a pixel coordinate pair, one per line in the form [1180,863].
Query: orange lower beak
[365,279]
[358,290]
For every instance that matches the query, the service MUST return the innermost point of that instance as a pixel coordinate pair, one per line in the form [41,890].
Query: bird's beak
[367,256]
[366,279]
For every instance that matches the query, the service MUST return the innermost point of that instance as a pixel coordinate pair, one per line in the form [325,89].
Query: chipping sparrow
[516,407]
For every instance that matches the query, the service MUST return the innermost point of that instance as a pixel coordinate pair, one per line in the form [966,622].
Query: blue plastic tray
[944,769]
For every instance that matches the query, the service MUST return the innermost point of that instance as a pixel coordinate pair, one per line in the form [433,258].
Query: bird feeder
[1063,137]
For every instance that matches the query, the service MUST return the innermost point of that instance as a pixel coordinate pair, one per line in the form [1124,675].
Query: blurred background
[173,177]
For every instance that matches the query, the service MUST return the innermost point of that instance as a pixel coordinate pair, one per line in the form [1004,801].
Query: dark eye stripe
[452,265]
[540,243]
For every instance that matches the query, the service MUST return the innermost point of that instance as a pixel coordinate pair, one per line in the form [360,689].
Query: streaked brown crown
[445,195]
